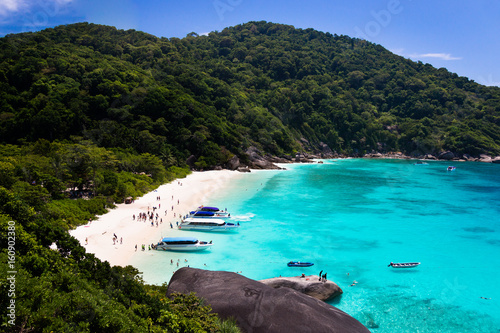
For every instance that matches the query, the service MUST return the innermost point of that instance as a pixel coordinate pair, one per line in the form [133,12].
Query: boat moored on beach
[204,224]
[299,264]
[209,212]
[403,264]
[182,244]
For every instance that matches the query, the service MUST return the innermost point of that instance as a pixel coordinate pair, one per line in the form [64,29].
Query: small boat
[451,168]
[421,163]
[403,264]
[299,264]
[182,244]
[204,224]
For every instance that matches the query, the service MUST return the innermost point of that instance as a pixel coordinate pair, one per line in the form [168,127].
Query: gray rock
[309,285]
[244,169]
[484,158]
[469,158]
[496,160]
[257,161]
[260,308]
[233,163]
[446,155]
[191,160]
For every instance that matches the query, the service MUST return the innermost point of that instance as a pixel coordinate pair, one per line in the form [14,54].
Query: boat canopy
[209,209]
[180,240]
[204,213]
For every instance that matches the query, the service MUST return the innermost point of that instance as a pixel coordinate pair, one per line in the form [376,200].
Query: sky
[462,36]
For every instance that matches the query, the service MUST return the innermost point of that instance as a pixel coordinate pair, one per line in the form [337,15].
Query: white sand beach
[179,197]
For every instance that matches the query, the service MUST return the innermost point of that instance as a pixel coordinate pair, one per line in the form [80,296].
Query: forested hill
[256,84]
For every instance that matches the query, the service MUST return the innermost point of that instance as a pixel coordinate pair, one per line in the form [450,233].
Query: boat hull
[185,248]
[208,228]
[299,264]
[404,265]
[207,224]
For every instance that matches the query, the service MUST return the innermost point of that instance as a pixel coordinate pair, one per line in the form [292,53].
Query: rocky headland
[255,159]
[258,307]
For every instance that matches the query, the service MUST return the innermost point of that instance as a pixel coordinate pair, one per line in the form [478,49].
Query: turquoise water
[352,218]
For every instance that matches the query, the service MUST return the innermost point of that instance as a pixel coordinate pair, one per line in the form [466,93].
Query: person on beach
[320,275]
[135,247]
[121,240]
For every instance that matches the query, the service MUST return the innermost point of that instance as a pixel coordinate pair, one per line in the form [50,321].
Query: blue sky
[460,35]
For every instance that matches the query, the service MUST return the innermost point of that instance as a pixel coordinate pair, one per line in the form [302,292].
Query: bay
[352,217]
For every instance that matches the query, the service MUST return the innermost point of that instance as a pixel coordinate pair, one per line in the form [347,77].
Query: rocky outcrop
[257,161]
[446,155]
[309,285]
[191,160]
[496,160]
[233,163]
[484,158]
[257,307]
[244,169]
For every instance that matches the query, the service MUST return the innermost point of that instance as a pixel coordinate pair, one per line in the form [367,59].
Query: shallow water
[352,218]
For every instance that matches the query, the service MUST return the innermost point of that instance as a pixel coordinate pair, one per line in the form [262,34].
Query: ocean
[352,217]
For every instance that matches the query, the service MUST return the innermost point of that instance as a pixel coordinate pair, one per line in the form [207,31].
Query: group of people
[115,239]
[322,277]
[151,216]
[143,246]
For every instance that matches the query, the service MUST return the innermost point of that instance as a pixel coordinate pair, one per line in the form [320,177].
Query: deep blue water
[352,217]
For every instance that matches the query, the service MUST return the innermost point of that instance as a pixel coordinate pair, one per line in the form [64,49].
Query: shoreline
[177,197]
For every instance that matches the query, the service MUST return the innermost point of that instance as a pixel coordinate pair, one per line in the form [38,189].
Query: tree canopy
[259,83]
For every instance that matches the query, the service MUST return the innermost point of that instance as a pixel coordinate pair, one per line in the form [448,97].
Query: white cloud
[10,7]
[440,56]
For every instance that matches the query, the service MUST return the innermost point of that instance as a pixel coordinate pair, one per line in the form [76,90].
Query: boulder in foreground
[261,308]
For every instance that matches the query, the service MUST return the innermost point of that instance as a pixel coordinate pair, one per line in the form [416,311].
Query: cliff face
[261,308]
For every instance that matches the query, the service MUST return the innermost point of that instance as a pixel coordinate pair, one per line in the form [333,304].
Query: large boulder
[257,307]
[309,285]
[484,158]
[233,163]
[257,161]
[496,160]
[446,155]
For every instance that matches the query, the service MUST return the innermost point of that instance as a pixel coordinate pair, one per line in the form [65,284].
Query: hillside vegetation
[262,84]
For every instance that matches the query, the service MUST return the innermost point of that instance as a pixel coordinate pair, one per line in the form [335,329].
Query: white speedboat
[209,212]
[204,224]
[182,244]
